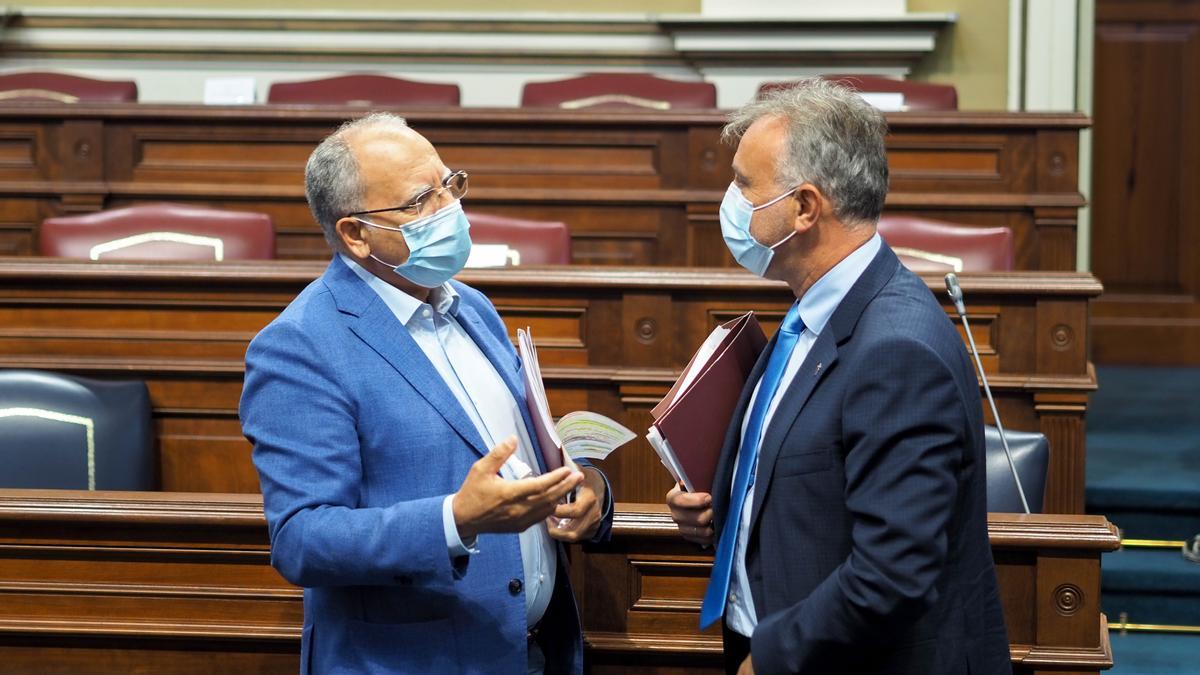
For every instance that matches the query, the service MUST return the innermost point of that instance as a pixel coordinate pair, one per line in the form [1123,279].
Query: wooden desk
[181,583]
[635,188]
[611,340]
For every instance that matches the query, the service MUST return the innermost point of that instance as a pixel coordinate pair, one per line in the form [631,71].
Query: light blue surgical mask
[438,245]
[736,212]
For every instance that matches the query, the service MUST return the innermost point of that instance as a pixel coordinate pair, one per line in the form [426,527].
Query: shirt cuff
[454,543]
[608,496]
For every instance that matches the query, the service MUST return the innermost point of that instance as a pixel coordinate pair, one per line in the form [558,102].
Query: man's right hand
[487,503]
[693,514]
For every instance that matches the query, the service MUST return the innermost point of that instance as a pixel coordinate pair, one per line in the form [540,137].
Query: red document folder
[690,423]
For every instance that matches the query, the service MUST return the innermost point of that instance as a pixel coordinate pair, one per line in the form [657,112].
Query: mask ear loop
[788,193]
[382,227]
[781,242]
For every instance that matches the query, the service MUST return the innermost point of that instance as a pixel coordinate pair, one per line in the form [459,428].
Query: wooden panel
[650,583]
[19,219]
[612,340]
[23,150]
[100,582]
[635,188]
[1146,166]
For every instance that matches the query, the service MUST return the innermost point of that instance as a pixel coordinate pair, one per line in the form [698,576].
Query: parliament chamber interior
[153,219]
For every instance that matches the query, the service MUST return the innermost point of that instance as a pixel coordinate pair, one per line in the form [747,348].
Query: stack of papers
[577,435]
[691,422]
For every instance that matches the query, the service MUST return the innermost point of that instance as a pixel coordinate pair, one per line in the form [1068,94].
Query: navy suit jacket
[868,549]
[357,441]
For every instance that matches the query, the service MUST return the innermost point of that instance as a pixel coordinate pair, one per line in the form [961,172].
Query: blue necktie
[718,585]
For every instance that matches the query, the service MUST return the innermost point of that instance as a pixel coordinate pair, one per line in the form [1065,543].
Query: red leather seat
[934,246]
[627,91]
[160,232]
[364,90]
[917,95]
[539,242]
[63,88]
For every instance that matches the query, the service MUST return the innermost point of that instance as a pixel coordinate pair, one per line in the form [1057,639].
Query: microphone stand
[955,292]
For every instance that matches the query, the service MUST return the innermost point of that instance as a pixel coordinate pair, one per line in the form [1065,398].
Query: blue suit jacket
[357,441]
[868,549]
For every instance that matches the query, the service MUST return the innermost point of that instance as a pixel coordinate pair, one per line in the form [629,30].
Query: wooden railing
[635,188]
[610,339]
[101,582]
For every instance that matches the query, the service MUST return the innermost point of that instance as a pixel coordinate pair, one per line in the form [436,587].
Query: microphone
[956,296]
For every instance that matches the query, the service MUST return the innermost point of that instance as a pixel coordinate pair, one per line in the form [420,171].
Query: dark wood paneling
[635,188]
[181,583]
[1146,171]
[611,340]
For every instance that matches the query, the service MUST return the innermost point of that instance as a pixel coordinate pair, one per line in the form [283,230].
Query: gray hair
[332,184]
[835,141]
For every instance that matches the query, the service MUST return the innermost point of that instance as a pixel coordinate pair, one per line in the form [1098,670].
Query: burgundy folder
[693,424]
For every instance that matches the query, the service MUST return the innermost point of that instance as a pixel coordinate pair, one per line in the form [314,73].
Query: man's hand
[692,512]
[487,503]
[746,668]
[579,520]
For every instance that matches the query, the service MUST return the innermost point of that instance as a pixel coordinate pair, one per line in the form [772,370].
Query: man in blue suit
[403,486]
[848,512]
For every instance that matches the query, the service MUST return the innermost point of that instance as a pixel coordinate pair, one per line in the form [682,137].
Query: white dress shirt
[490,406]
[818,304]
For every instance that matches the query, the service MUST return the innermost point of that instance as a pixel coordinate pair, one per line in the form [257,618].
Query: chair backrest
[63,88]
[925,245]
[365,90]
[74,433]
[539,242]
[161,231]
[917,95]
[1031,455]
[628,91]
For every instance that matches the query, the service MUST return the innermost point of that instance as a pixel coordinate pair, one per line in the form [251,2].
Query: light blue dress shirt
[490,406]
[817,305]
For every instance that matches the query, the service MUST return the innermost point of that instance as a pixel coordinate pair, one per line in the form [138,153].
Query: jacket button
[514,586]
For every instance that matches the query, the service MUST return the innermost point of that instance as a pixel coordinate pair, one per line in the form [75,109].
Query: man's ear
[350,232]
[810,207]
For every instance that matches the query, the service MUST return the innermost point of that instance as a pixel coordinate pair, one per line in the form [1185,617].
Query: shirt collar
[443,299]
[823,297]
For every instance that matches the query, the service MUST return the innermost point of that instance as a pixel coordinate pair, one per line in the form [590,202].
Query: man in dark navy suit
[849,509]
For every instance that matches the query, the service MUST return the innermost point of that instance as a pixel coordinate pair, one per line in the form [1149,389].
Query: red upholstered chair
[364,90]
[160,232]
[537,242]
[63,88]
[933,246]
[917,95]
[628,91]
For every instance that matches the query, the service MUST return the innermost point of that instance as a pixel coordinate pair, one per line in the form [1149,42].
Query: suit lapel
[817,364]
[370,319]
[820,360]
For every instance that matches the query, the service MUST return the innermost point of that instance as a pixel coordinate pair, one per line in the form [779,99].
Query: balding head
[333,180]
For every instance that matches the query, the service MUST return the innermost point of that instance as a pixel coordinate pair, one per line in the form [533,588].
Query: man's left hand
[578,520]
[746,668]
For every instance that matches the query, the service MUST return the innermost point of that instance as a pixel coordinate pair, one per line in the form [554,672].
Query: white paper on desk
[887,101]
[492,255]
[228,90]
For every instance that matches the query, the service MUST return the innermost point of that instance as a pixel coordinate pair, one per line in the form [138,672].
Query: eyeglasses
[423,204]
